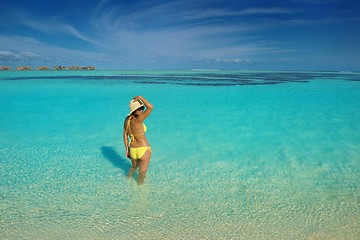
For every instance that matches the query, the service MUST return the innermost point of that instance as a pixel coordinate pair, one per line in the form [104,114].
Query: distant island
[22,68]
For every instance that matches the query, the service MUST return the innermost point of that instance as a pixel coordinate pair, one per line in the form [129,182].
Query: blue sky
[182,34]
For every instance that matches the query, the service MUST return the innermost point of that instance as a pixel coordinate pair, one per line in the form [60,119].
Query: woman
[138,148]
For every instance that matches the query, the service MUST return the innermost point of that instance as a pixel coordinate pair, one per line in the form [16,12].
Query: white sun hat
[135,104]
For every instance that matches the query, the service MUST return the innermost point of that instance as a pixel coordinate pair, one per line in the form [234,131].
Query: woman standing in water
[137,146]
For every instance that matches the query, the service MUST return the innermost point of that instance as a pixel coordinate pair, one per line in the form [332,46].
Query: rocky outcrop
[81,68]
[47,68]
[23,68]
[89,68]
[5,68]
[42,68]
[74,68]
[59,68]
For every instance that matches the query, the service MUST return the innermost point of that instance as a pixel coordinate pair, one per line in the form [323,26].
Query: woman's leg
[144,164]
[133,167]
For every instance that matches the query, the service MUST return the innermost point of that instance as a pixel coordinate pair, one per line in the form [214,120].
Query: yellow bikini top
[132,134]
[144,126]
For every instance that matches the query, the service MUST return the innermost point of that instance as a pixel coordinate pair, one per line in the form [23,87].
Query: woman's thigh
[134,163]
[144,161]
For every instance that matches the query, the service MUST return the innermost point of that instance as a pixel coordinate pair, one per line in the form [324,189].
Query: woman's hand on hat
[138,98]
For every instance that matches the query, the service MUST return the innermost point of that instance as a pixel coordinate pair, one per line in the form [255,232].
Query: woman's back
[136,130]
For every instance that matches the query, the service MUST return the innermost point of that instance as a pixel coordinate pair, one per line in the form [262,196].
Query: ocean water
[236,155]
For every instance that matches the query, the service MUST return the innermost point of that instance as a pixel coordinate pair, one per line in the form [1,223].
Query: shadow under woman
[118,161]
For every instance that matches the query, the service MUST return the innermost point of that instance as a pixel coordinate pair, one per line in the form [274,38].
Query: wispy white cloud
[21,44]
[31,51]
[51,26]
[13,56]
[216,13]
[74,32]
[122,32]
[321,21]
[196,42]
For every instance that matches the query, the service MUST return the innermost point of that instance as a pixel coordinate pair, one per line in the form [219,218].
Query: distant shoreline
[91,68]
[46,68]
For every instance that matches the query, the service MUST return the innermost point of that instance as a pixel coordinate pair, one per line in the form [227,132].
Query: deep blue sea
[236,155]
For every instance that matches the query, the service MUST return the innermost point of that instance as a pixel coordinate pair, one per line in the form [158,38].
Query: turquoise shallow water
[236,155]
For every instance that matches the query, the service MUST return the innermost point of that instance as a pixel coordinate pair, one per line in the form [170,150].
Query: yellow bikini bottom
[137,153]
